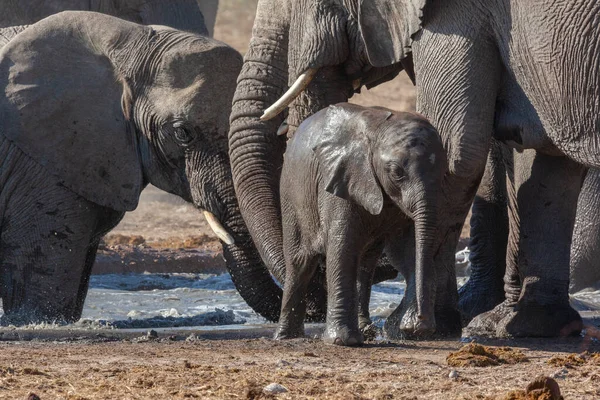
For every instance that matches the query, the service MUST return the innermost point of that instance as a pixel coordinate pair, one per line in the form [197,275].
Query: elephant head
[324,49]
[376,156]
[108,106]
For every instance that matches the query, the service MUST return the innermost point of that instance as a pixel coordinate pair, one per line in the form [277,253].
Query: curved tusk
[217,228]
[356,84]
[294,91]
[283,129]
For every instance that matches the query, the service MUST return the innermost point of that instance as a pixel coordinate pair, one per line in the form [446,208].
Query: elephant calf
[352,180]
[93,109]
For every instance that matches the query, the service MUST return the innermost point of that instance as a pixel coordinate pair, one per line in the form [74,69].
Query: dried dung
[575,360]
[569,361]
[542,388]
[476,355]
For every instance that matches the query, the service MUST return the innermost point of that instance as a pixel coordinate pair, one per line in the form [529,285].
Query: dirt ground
[174,368]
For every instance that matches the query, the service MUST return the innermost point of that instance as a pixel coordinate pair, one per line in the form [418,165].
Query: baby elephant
[352,181]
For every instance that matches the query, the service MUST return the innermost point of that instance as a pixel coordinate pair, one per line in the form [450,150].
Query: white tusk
[356,84]
[217,228]
[283,128]
[301,83]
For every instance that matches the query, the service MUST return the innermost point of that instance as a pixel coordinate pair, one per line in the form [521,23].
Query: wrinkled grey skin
[352,181]
[503,68]
[94,109]
[494,251]
[181,14]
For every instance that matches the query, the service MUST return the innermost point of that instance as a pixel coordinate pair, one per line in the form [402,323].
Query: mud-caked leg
[344,249]
[300,269]
[365,282]
[47,250]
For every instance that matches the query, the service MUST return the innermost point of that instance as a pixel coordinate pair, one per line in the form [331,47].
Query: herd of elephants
[103,97]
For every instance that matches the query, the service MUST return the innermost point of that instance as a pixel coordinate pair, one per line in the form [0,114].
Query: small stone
[560,374]
[192,338]
[283,363]
[33,396]
[274,388]
[453,375]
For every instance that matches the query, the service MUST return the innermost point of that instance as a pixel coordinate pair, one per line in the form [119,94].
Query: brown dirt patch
[476,355]
[239,369]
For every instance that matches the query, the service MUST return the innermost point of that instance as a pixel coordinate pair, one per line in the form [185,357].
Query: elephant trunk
[249,274]
[255,150]
[252,280]
[425,226]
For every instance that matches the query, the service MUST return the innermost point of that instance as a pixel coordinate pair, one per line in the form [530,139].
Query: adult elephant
[481,69]
[181,14]
[95,108]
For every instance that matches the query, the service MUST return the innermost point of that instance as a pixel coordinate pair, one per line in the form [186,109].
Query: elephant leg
[47,253]
[293,305]
[401,253]
[518,168]
[489,233]
[316,297]
[585,249]
[343,259]
[547,202]
[106,221]
[365,282]
[300,271]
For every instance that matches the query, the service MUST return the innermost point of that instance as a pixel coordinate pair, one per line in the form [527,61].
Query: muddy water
[191,300]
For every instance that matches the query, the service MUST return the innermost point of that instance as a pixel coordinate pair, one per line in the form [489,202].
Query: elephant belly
[553,54]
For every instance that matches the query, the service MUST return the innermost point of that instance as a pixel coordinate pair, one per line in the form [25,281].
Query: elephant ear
[387,27]
[66,108]
[344,155]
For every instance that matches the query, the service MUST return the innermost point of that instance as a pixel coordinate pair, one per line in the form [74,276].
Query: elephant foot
[485,324]
[479,296]
[32,318]
[283,333]
[369,331]
[526,320]
[342,336]
[535,320]
[404,323]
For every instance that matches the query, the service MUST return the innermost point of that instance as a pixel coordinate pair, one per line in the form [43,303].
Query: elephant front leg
[343,258]
[48,253]
[547,201]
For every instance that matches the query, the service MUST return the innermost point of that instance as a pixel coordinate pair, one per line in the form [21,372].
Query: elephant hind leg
[489,232]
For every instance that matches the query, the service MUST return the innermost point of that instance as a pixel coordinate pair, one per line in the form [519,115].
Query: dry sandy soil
[167,234]
[240,369]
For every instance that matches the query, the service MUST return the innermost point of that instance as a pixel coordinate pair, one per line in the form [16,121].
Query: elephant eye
[182,135]
[396,170]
